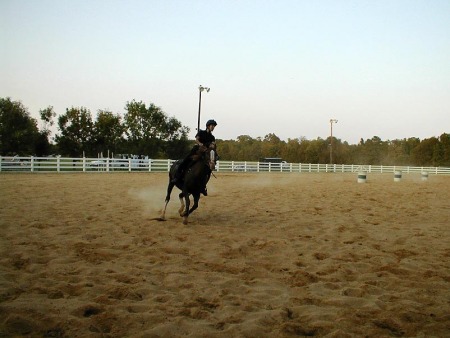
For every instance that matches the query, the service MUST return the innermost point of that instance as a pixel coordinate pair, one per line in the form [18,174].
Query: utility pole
[200,88]
[331,139]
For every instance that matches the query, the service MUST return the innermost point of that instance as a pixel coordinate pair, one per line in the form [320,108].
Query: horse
[195,178]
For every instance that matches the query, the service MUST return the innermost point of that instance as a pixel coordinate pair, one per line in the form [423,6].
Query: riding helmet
[211,122]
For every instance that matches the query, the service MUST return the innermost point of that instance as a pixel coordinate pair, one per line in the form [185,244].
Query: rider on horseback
[204,140]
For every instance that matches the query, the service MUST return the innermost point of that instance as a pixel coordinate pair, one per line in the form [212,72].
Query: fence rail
[68,164]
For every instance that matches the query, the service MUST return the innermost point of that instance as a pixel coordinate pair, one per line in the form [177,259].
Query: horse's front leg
[195,205]
[186,211]
[182,207]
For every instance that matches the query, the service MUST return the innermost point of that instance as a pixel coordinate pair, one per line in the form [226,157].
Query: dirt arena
[265,255]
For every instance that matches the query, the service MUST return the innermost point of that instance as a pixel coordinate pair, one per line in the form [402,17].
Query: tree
[43,146]
[150,131]
[47,116]
[176,141]
[248,149]
[341,151]
[372,151]
[272,146]
[426,152]
[76,136]
[18,130]
[444,140]
[293,150]
[108,132]
[317,151]
[226,149]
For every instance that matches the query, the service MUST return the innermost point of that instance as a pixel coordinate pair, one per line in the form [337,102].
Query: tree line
[434,151]
[149,131]
[143,130]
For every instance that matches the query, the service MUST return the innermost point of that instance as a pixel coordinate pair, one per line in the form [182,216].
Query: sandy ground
[265,255]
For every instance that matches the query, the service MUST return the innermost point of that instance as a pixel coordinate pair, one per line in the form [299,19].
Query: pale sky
[381,68]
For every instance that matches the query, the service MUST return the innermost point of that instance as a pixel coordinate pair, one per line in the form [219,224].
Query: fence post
[0,163]
[58,163]
[32,163]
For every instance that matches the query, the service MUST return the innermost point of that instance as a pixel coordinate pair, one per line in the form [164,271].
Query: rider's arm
[197,140]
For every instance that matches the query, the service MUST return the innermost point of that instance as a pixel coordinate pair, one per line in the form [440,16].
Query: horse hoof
[185,221]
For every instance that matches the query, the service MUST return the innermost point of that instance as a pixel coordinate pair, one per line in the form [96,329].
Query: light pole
[331,139]
[200,88]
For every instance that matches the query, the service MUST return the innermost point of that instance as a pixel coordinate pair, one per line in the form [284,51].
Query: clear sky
[381,68]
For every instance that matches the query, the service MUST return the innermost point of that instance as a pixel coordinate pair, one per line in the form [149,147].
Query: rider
[204,140]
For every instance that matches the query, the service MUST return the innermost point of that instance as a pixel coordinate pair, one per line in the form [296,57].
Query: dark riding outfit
[205,138]
[204,141]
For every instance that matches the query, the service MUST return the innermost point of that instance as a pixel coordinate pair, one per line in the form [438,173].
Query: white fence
[67,164]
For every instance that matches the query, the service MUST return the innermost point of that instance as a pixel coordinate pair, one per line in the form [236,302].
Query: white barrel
[397,176]
[424,176]
[362,177]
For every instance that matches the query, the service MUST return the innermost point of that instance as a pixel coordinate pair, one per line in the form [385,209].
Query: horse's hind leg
[163,214]
[169,191]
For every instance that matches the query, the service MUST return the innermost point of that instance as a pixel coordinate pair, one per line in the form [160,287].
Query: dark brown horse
[192,183]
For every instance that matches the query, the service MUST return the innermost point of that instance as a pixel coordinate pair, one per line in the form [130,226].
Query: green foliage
[108,133]
[76,136]
[427,152]
[149,131]
[19,134]
[142,131]
[412,151]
